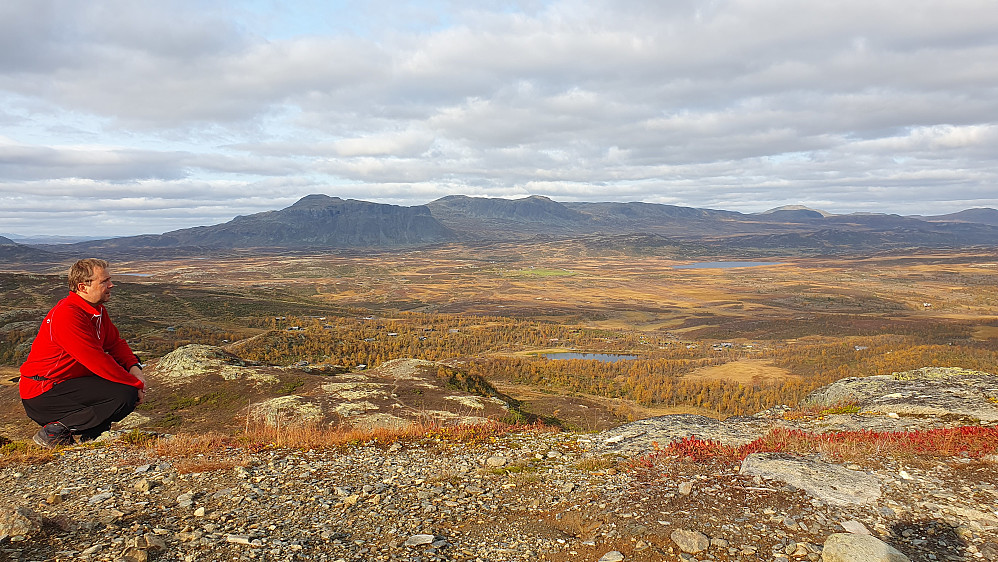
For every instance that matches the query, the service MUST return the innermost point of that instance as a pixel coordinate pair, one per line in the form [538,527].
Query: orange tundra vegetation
[656,378]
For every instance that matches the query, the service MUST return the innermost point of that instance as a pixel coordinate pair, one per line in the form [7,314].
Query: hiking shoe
[54,434]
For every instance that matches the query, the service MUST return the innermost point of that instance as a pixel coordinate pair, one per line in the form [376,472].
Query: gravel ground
[524,497]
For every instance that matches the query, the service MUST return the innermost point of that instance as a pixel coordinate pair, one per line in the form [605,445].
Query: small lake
[604,357]
[725,264]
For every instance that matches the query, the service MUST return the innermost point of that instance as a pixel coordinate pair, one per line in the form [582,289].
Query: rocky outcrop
[643,435]
[906,401]
[186,363]
[396,394]
[522,496]
[937,392]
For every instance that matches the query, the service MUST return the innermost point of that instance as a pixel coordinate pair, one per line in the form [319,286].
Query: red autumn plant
[968,442]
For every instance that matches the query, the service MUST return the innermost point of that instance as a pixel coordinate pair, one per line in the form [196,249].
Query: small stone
[417,540]
[496,461]
[152,541]
[199,512]
[144,485]
[612,556]
[98,498]
[690,541]
[54,498]
[685,488]
[133,554]
[855,527]
[238,539]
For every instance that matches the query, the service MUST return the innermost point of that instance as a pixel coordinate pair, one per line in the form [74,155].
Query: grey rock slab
[612,556]
[98,498]
[830,483]
[848,547]
[642,435]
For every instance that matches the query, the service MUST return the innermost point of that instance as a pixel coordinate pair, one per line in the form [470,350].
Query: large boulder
[830,483]
[19,522]
[940,392]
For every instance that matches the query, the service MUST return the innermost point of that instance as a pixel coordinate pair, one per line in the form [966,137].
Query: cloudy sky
[127,117]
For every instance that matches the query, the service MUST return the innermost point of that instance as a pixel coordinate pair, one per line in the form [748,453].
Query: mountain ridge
[320,221]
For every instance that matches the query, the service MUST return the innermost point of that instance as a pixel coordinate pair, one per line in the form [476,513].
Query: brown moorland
[717,340]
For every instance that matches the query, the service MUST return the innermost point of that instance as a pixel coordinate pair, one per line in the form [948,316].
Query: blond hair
[83,271]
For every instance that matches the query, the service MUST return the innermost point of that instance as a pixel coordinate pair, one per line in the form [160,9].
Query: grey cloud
[745,104]
[34,163]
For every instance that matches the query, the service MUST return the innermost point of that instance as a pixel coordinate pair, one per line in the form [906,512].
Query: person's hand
[136,372]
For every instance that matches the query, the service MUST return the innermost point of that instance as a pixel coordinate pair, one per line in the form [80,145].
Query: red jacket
[77,339]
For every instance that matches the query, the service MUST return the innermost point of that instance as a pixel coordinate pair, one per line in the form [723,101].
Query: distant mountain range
[320,221]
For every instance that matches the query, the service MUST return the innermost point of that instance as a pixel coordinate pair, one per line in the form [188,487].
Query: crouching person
[80,375]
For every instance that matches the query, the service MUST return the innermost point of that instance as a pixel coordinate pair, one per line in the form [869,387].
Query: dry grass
[319,437]
[746,371]
[258,437]
[597,464]
[216,451]
[22,452]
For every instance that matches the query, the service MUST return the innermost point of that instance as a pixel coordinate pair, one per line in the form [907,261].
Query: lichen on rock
[285,410]
[936,373]
[929,391]
[184,363]
[348,409]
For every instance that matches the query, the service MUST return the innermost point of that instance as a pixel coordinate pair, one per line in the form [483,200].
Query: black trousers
[86,405]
